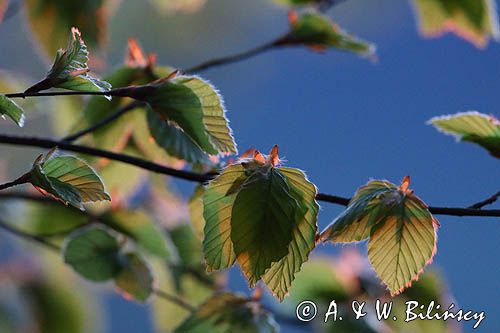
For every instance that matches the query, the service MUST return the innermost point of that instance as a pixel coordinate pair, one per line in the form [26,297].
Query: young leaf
[191,104]
[139,226]
[474,20]
[402,232]
[263,216]
[94,253]
[135,280]
[68,179]
[70,70]
[318,32]
[10,109]
[224,313]
[473,127]
[50,19]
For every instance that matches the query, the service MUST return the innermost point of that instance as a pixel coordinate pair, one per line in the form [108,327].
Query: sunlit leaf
[94,253]
[139,226]
[227,313]
[10,109]
[52,220]
[262,215]
[317,31]
[50,19]
[67,178]
[280,275]
[473,127]
[402,232]
[195,206]
[473,20]
[70,70]
[135,279]
[192,105]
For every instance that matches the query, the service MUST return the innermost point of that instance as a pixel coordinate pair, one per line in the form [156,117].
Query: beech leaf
[193,106]
[70,70]
[474,20]
[225,313]
[318,32]
[402,232]
[473,127]
[264,217]
[68,179]
[134,279]
[94,253]
[10,109]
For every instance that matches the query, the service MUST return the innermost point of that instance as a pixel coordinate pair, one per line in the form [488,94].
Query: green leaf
[173,139]
[225,313]
[50,19]
[135,279]
[194,106]
[139,226]
[67,178]
[10,109]
[402,232]
[264,217]
[473,127]
[280,275]
[317,31]
[218,201]
[70,70]
[474,20]
[195,206]
[94,253]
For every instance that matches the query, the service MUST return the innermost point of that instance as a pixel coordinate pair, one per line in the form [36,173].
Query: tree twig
[485,202]
[203,177]
[25,235]
[174,299]
[21,180]
[104,121]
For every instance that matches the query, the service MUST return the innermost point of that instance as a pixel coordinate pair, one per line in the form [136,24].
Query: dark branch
[21,180]
[202,177]
[489,201]
[174,299]
[28,236]
[103,122]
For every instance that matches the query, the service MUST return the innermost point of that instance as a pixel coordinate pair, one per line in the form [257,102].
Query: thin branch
[203,177]
[21,180]
[25,235]
[485,202]
[234,58]
[174,299]
[59,93]
[104,121]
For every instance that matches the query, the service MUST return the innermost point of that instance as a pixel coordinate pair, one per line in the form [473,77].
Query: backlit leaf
[94,253]
[70,70]
[50,19]
[10,109]
[317,31]
[280,275]
[135,279]
[191,104]
[263,216]
[195,206]
[67,178]
[227,313]
[402,232]
[473,20]
[473,127]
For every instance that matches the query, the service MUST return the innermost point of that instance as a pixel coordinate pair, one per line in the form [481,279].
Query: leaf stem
[203,177]
[21,180]
[174,299]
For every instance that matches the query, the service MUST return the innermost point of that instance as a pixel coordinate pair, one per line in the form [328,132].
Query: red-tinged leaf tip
[317,48]
[494,120]
[405,183]
[172,75]
[292,17]
[247,153]
[151,62]
[79,72]
[273,158]
[258,157]
[135,56]
[76,33]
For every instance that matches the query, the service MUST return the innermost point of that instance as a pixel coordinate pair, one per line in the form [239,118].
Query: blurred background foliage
[311,104]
